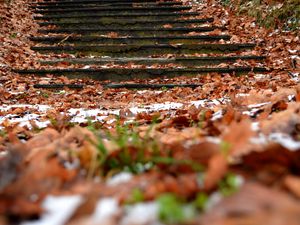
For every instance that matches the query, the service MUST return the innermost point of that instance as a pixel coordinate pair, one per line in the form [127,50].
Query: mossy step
[129,40]
[117,74]
[116,16]
[111,4]
[143,50]
[124,23]
[179,61]
[132,31]
[112,9]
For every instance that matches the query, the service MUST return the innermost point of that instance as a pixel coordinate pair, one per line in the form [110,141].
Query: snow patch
[251,106]
[119,179]
[58,210]
[284,140]
[81,115]
[105,210]
[217,115]
[141,214]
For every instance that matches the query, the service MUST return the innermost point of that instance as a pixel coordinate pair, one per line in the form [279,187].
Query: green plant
[164,88]
[225,2]
[60,92]
[53,121]
[93,126]
[22,95]
[44,94]
[201,201]
[3,133]
[134,154]
[225,147]
[202,117]
[230,184]
[136,196]
[13,35]
[172,210]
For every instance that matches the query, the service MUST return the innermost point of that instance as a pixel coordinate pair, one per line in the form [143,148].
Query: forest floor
[223,153]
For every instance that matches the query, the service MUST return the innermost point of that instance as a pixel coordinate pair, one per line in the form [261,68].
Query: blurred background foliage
[269,13]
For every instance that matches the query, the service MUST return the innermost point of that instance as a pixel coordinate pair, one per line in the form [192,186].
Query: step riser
[104,12]
[92,1]
[114,17]
[137,51]
[87,5]
[134,41]
[177,62]
[126,24]
[130,32]
[150,86]
[120,26]
[121,74]
[78,11]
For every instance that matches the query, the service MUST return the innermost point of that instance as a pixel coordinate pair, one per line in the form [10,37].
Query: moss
[272,15]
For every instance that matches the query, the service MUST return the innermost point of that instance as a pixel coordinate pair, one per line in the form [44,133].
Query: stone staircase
[117,40]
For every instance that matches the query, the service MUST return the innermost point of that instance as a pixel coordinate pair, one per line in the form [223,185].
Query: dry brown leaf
[256,205]
[238,138]
[167,26]
[293,184]
[217,168]
[113,35]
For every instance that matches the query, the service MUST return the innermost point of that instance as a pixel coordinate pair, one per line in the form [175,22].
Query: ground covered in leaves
[224,153]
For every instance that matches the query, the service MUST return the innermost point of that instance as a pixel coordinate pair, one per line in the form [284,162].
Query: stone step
[122,9]
[142,50]
[118,74]
[95,1]
[99,3]
[145,31]
[115,16]
[117,86]
[58,86]
[149,86]
[127,23]
[79,40]
[178,61]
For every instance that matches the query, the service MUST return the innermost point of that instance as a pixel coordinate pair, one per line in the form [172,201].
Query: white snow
[141,214]
[285,140]
[58,210]
[254,108]
[293,51]
[210,103]
[81,115]
[255,126]
[217,115]
[215,140]
[251,106]
[119,178]
[41,108]
[106,208]
[213,200]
